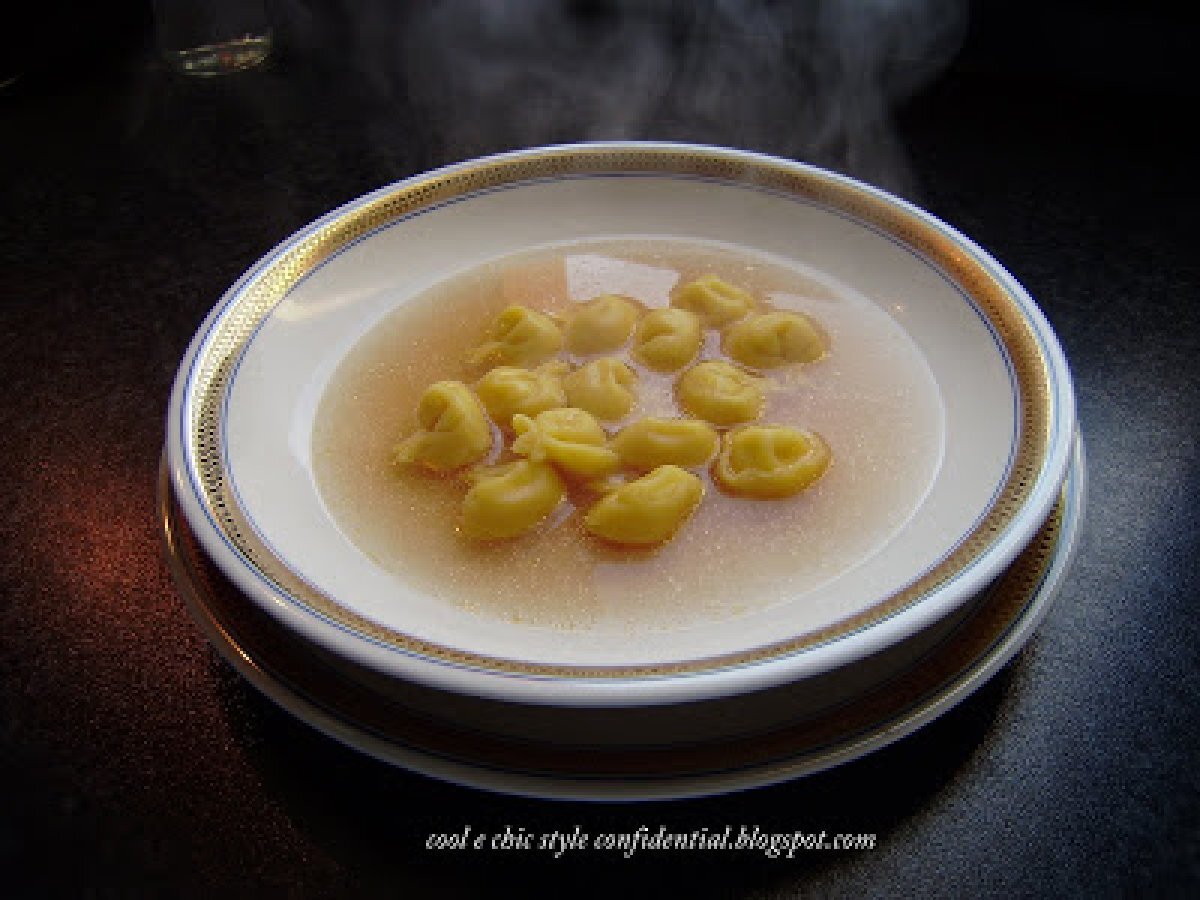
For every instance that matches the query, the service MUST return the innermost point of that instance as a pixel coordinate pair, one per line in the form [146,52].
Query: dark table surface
[134,760]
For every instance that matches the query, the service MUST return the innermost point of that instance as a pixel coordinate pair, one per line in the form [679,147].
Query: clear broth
[872,397]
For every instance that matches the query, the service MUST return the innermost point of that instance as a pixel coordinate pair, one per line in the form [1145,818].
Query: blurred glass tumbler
[212,37]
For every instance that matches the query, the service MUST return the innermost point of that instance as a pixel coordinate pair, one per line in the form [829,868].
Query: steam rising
[809,80]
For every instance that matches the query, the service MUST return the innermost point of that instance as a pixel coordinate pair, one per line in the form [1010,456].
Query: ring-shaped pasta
[772,339]
[454,430]
[571,439]
[519,336]
[604,387]
[647,511]
[506,391]
[667,339]
[770,461]
[601,325]
[510,499]
[714,300]
[721,393]
[652,442]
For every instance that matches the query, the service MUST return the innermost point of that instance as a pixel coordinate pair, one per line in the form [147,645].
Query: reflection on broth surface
[871,398]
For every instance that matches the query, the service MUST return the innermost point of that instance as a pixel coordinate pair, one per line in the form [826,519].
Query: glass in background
[212,37]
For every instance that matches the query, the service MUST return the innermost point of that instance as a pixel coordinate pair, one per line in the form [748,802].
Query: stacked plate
[770,678]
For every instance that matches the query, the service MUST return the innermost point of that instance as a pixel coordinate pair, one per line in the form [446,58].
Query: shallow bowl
[241,419]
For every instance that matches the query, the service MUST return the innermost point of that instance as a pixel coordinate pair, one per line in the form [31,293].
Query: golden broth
[872,398]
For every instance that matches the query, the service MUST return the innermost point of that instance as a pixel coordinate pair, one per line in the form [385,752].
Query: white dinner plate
[890,702]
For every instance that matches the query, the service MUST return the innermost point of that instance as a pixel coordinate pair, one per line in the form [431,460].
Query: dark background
[133,760]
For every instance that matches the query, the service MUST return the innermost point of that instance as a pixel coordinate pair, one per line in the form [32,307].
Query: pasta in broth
[851,439]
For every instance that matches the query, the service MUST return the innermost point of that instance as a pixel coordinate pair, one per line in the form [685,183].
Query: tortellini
[720,393]
[601,324]
[569,438]
[519,336]
[667,339]
[506,391]
[632,490]
[769,461]
[772,339]
[648,510]
[605,387]
[649,443]
[510,499]
[454,430]
[715,300]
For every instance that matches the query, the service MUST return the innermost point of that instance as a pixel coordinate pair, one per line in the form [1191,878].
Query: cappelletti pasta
[506,391]
[720,393]
[606,388]
[519,336]
[714,300]
[770,461]
[652,442]
[773,339]
[668,339]
[454,431]
[508,500]
[601,324]
[569,438]
[648,510]
[633,487]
